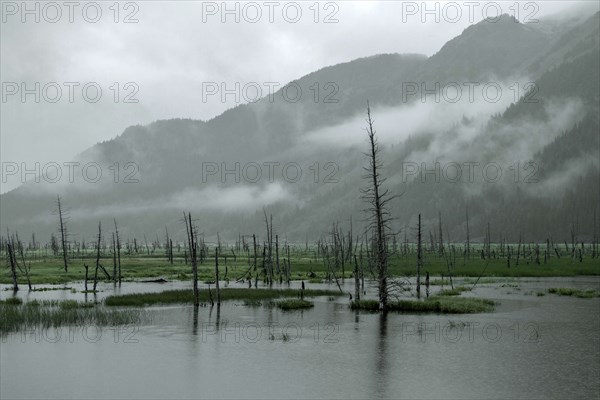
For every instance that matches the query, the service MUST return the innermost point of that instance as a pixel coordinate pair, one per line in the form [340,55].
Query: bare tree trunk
[378,200]
[97,255]
[449,268]
[114,243]
[289,264]
[277,254]
[63,231]
[362,272]
[356,281]
[217,276]
[167,246]
[419,258]
[254,247]
[518,251]
[13,266]
[468,238]
[21,251]
[189,228]
[118,251]
[268,250]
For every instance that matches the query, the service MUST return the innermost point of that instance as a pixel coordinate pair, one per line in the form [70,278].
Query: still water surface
[530,347]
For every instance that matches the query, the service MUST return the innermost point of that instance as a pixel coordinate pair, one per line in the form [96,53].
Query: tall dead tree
[468,251]
[419,257]
[114,248]
[217,277]
[377,197]
[118,252]
[191,236]
[63,231]
[519,250]
[13,263]
[269,248]
[97,255]
[254,247]
[356,280]
[277,256]
[20,249]
[441,245]
[289,265]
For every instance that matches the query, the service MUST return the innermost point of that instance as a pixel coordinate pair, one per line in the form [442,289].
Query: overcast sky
[175,47]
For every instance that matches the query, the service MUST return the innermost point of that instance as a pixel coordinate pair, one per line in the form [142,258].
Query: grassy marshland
[583,294]
[17,315]
[293,304]
[249,296]
[48,269]
[442,305]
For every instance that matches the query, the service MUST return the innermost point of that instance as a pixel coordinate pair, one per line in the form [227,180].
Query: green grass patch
[442,305]
[583,294]
[12,301]
[53,313]
[293,304]
[186,296]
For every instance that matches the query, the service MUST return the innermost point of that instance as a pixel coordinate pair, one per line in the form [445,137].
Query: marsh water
[530,347]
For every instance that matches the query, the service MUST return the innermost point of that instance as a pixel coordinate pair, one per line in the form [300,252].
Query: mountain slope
[557,132]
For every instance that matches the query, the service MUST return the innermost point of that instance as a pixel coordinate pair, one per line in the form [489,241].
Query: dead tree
[114,246]
[377,197]
[519,250]
[13,264]
[118,251]
[191,236]
[449,268]
[362,270]
[289,265]
[269,249]
[63,231]
[217,276]
[254,247]
[277,254]
[19,249]
[97,255]
[356,281]
[419,257]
